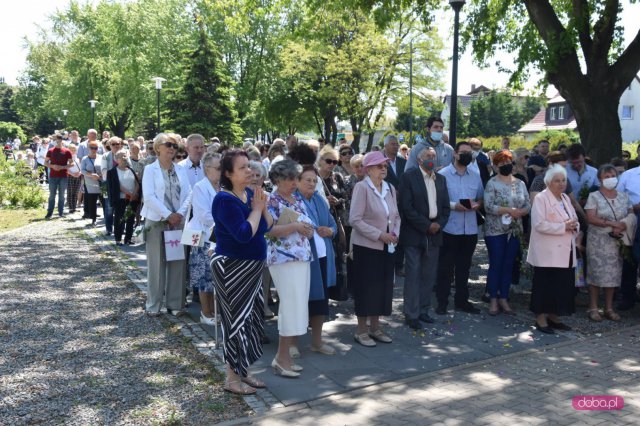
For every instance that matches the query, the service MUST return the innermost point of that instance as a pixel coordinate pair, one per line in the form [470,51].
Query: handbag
[190,236]
[579,270]
[340,291]
[173,250]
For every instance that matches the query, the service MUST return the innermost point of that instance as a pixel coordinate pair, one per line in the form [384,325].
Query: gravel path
[75,347]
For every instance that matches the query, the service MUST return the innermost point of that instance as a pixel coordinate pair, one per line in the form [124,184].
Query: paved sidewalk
[532,387]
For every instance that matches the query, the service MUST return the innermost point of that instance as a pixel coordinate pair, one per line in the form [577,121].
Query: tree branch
[582,16]
[626,67]
[603,31]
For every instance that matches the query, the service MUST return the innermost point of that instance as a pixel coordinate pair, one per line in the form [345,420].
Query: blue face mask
[436,136]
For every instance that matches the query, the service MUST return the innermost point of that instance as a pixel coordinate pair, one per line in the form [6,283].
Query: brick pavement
[531,387]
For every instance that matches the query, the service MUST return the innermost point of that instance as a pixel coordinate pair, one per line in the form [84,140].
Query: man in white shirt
[191,164]
[629,183]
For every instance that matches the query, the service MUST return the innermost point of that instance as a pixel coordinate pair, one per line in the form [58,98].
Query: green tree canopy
[204,102]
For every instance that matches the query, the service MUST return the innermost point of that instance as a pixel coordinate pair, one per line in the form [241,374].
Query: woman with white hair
[552,253]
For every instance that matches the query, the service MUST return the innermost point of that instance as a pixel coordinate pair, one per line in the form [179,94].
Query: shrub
[19,186]
[11,130]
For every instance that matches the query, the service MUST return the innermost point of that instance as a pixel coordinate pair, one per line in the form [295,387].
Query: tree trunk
[372,134]
[599,126]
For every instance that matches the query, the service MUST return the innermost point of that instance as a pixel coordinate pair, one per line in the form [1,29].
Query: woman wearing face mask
[608,214]
[506,202]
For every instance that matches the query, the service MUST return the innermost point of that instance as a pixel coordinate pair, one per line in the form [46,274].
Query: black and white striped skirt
[238,286]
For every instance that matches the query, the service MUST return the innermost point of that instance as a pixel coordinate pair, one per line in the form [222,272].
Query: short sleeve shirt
[59,157]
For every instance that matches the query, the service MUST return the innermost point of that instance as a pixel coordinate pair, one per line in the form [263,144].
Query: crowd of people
[321,222]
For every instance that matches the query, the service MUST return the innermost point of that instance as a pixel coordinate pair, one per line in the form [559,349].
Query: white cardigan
[201,200]
[153,193]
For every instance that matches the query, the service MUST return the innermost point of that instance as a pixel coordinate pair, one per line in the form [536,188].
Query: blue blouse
[233,231]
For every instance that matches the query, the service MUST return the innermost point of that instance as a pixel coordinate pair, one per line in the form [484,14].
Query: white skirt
[292,281]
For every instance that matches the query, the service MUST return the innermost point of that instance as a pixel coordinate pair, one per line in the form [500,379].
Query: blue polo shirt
[462,186]
[588,178]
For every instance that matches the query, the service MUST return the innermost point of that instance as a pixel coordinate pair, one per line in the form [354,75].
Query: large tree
[577,45]
[204,104]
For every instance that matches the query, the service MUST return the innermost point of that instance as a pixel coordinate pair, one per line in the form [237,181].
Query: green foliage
[11,130]
[18,185]
[8,112]
[498,113]
[204,103]
[109,52]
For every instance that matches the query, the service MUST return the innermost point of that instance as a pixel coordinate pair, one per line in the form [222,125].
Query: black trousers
[122,224]
[629,282]
[455,261]
[91,205]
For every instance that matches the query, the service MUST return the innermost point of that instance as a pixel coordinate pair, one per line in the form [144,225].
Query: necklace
[243,198]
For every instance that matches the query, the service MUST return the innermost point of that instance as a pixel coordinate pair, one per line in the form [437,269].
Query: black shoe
[47,217]
[468,308]
[625,306]
[108,233]
[196,297]
[558,325]
[84,216]
[546,330]
[485,298]
[441,310]
[426,318]
[119,244]
[413,324]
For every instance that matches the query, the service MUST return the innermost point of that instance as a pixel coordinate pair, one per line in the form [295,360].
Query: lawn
[11,218]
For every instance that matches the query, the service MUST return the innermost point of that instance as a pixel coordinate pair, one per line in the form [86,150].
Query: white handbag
[192,237]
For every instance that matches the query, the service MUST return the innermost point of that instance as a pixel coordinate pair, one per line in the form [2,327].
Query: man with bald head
[191,164]
[424,208]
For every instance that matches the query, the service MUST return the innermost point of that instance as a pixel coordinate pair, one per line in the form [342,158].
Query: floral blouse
[294,247]
[498,194]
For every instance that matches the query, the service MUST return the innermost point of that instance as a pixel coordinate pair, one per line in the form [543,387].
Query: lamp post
[158,81]
[456,5]
[64,112]
[93,113]
[411,93]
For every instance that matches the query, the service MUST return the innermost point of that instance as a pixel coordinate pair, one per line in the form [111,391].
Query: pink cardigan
[368,217]
[550,243]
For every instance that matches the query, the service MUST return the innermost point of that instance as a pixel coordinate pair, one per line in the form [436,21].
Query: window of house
[552,113]
[627,112]
[561,113]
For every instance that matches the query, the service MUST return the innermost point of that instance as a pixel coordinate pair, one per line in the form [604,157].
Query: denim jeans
[107,210]
[502,255]
[59,185]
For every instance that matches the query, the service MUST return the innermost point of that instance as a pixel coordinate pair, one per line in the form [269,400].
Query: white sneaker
[207,320]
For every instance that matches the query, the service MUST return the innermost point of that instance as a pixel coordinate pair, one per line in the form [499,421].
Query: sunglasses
[115,144]
[330,161]
[93,148]
[181,157]
[345,153]
[171,145]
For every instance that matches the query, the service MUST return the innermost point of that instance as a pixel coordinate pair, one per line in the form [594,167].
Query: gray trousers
[421,271]
[163,278]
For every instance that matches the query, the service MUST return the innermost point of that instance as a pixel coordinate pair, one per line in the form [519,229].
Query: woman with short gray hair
[288,259]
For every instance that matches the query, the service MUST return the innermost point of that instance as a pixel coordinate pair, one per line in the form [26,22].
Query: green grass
[11,218]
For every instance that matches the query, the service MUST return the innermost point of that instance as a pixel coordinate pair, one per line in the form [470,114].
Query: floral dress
[603,254]
[295,246]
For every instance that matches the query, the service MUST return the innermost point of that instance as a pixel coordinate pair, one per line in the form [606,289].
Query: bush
[11,130]
[19,186]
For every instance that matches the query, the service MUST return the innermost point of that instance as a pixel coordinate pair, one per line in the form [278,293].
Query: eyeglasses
[93,148]
[171,145]
[115,144]
[346,153]
[330,161]
[181,157]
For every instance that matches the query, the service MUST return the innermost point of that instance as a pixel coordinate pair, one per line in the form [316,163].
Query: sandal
[594,315]
[239,388]
[612,315]
[254,382]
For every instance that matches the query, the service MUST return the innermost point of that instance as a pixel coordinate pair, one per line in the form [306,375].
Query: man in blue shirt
[583,177]
[460,234]
[434,138]
[629,182]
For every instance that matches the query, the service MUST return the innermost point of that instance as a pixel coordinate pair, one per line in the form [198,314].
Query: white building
[558,115]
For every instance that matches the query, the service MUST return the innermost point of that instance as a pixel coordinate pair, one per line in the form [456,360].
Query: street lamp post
[64,112]
[158,81]
[411,93]
[456,5]
[93,113]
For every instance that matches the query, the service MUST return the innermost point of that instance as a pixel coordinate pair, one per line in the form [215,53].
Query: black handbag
[340,292]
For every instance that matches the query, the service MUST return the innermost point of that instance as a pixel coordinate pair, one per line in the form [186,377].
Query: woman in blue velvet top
[241,220]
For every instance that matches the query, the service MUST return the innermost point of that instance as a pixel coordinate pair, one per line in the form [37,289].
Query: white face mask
[610,183]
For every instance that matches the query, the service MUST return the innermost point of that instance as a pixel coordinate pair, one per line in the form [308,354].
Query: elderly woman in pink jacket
[552,253]
[375,221]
